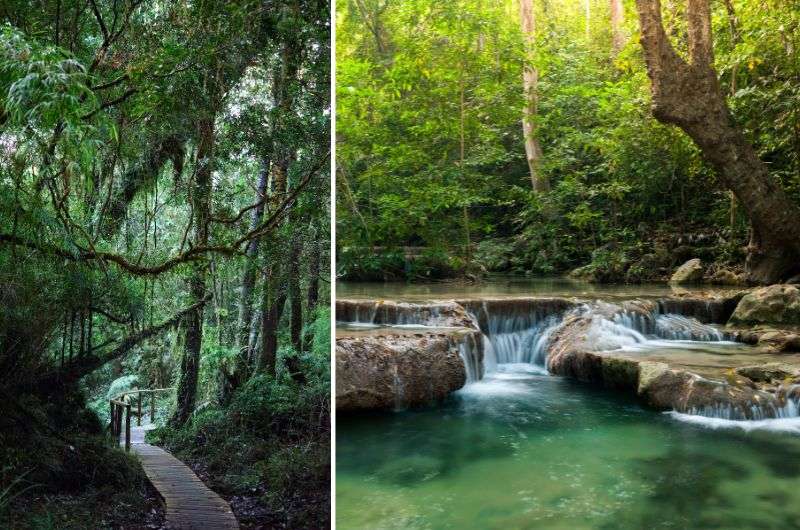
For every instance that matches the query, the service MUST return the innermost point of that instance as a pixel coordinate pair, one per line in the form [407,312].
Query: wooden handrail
[121,405]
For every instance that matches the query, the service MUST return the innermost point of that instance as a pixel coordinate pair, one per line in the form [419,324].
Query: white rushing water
[788,424]
[514,342]
[522,338]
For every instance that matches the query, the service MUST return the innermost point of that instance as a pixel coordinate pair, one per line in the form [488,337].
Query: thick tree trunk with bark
[530,81]
[688,94]
[273,302]
[199,198]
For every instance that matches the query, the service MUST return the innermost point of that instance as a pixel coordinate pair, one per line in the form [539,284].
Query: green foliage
[101,109]
[621,182]
[122,384]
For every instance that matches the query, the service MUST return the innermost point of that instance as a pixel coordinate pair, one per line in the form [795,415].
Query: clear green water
[523,450]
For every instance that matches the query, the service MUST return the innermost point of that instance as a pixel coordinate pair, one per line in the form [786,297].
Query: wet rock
[585,273]
[648,372]
[689,272]
[726,277]
[775,304]
[773,340]
[686,392]
[781,341]
[386,312]
[708,308]
[769,372]
[571,354]
[397,371]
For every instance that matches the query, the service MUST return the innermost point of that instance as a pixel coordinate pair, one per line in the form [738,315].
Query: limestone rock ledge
[398,371]
[658,385]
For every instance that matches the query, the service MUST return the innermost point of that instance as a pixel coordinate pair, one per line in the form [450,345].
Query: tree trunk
[530,81]
[588,19]
[617,18]
[273,301]
[688,94]
[295,296]
[313,273]
[244,342]
[199,198]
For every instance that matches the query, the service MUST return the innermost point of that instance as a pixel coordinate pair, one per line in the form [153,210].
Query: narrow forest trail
[190,504]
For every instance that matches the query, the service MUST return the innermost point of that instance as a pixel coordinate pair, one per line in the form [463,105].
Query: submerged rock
[689,272]
[393,372]
[775,304]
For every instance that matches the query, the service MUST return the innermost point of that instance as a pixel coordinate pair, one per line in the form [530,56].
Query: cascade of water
[791,409]
[668,326]
[470,352]
[517,337]
[677,327]
[520,332]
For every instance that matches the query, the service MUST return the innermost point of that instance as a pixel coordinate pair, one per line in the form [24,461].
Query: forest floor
[89,510]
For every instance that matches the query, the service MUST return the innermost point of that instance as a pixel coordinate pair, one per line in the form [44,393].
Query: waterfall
[668,326]
[472,353]
[515,338]
[518,331]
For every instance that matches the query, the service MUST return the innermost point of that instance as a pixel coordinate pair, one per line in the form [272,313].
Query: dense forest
[610,139]
[164,224]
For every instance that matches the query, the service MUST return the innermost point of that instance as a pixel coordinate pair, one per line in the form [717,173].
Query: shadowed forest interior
[164,224]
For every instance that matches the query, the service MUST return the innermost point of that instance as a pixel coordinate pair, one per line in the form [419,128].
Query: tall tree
[530,81]
[617,18]
[200,198]
[687,93]
[245,337]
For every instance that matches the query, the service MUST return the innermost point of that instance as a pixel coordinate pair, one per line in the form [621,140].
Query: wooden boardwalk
[190,504]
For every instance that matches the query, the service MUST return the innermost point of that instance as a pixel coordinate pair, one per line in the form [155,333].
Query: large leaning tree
[687,93]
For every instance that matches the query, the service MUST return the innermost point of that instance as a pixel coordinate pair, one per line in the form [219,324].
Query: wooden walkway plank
[191,505]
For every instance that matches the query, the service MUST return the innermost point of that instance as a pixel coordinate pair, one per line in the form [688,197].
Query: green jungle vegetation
[164,223]
[611,139]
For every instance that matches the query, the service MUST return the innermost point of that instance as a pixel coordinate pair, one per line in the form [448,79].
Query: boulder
[397,371]
[585,273]
[689,272]
[775,304]
[572,353]
[726,277]
[769,372]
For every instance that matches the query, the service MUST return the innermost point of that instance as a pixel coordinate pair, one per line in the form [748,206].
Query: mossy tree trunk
[200,195]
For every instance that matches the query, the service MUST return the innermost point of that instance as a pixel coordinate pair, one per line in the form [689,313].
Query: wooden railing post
[111,416]
[127,426]
[139,409]
[152,407]
[119,421]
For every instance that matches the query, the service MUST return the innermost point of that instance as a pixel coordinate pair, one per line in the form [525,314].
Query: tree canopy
[164,164]
[624,187]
